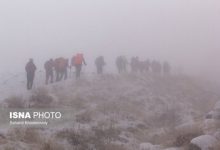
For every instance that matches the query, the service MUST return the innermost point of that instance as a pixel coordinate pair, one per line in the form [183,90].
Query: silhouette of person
[30,70]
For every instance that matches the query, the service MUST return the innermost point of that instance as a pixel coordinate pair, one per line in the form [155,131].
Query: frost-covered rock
[173,148]
[204,142]
[213,115]
[217,106]
[146,146]
[209,115]
[212,121]
[187,127]
[149,146]
[17,146]
[217,135]
[210,125]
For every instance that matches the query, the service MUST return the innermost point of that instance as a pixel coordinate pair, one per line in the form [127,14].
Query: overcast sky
[184,32]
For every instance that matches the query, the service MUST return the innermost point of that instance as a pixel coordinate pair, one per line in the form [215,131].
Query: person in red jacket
[30,70]
[77,61]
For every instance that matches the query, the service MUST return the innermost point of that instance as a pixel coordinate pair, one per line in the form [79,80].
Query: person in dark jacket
[30,70]
[156,67]
[147,65]
[48,66]
[134,64]
[166,68]
[121,63]
[99,62]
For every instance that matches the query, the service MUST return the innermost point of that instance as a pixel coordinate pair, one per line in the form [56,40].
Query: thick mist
[186,33]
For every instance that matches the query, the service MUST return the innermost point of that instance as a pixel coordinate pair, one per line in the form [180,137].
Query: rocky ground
[121,112]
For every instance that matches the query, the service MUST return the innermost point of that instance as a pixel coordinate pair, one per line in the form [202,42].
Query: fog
[184,32]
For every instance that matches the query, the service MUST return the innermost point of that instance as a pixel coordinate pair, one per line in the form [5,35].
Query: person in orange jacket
[77,61]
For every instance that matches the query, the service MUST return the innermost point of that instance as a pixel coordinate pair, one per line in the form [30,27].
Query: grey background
[185,32]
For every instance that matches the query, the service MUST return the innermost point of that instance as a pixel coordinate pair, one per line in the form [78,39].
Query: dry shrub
[217,147]
[32,135]
[41,99]
[177,136]
[19,146]
[104,138]
[111,146]
[9,147]
[109,134]
[3,139]
[184,136]
[75,101]
[123,108]
[78,102]
[85,117]
[100,139]
[15,102]
[52,145]
[193,147]
[184,139]
[27,135]
[16,134]
[167,118]
[76,139]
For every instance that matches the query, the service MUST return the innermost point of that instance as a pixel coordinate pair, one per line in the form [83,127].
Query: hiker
[134,64]
[156,67]
[61,66]
[99,62]
[147,65]
[141,66]
[77,61]
[121,63]
[66,66]
[48,66]
[30,70]
[166,68]
[153,66]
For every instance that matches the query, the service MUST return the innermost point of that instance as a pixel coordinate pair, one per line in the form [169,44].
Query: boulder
[149,146]
[174,148]
[213,115]
[209,115]
[146,146]
[217,135]
[188,127]
[217,106]
[209,126]
[204,142]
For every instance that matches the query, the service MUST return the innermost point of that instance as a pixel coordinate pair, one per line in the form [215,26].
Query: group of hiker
[57,69]
[59,66]
[142,66]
